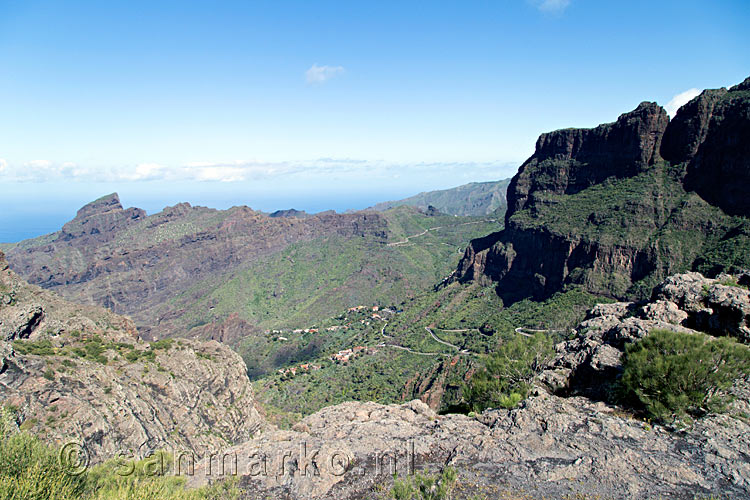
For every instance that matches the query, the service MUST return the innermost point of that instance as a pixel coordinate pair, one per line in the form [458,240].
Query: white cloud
[680,100]
[321,74]
[236,171]
[39,164]
[551,6]
[145,172]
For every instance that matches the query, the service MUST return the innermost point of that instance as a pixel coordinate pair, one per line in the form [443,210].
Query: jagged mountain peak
[104,204]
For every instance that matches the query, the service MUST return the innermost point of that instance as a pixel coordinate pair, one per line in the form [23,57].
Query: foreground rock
[591,362]
[80,373]
[550,447]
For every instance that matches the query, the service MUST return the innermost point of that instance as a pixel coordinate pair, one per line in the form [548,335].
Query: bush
[162,344]
[42,347]
[674,375]
[32,470]
[508,373]
[29,469]
[425,487]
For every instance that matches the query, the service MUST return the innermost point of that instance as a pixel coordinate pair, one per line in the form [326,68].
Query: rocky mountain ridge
[621,206]
[184,271]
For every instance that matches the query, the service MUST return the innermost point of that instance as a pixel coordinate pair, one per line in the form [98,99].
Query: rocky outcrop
[591,363]
[538,262]
[602,208]
[570,160]
[97,221]
[80,373]
[688,129]
[717,306]
[550,447]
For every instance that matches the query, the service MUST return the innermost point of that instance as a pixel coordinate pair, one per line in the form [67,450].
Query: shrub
[674,375]
[508,373]
[32,470]
[425,487]
[94,350]
[162,344]
[42,347]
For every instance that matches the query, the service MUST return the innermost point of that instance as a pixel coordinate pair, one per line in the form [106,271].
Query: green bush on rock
[33,470]
[508,373]
[676,375]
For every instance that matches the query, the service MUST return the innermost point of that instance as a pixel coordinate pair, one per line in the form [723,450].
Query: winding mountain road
[406,240]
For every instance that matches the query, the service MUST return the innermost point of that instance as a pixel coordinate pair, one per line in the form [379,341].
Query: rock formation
[81,373]
[570,160]
[550,447]
[591,362]
[621,206]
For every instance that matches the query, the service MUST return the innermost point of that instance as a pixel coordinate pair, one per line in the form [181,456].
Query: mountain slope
[619,207]
[475,198]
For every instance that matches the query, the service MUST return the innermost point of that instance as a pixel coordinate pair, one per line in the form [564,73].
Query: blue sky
[322,104]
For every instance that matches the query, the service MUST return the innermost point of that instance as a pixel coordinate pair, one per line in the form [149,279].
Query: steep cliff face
[570,160]
[80,373]
[720,169]
[621,206]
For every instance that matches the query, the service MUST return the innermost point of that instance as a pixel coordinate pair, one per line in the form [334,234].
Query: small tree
[508,372]
[676,374]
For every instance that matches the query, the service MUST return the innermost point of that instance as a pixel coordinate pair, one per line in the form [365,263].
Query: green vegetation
[677,375]
[41,347]
[32,470]
[312,280]
[425,486]
[93,348]
[144,355]
[508,372]
[470,317]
